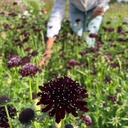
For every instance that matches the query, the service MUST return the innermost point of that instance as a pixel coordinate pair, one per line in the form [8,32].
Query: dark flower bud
[26,116]
[68,126]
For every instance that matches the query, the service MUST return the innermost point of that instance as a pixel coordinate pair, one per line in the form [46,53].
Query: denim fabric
[87,23]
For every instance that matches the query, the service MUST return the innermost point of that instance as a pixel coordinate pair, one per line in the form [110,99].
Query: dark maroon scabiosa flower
[119,29]
[24,60]
[68,126]
[3,116]
[61,96]
[115,65]
[25,39]
[8,55]
[28,69]
[16,39]
[3,99]
[110,29]
[72,63]
[26,116]
[118,90]
[63,56]
[112,97]
[20,27]
[37,30]
[107,79]
[78,20]
[28,49]
[14,62]
[119,102]
[24,21]
[6,26]
[82,53]
[93,35]
[34,53]
[87,119]
[12,14]
[104,28]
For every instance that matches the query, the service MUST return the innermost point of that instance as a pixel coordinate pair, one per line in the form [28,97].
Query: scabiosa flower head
[110,29]
[72,62]
[26,116]
[87,119]
[78,20]
[4,98]
[24,60]
[8,55]
[29,69]
[68,126]
[112,97]
[61,96]
[93,35]
[13,62]
[34,53]
[3,116]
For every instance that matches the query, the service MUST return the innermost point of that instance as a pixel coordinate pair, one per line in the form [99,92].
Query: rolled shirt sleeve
[54,23]
[104,4]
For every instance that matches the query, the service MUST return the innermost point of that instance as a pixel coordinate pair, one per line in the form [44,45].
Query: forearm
[49,43]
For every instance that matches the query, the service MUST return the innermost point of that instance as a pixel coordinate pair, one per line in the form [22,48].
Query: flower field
[80,87]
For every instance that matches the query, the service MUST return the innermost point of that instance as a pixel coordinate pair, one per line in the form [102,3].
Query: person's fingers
[44,60]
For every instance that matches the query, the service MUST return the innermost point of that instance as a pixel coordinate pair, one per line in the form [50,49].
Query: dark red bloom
[8,55]
[6,26]
[61,96]
[28,69]
[3,116]
[112,97]
[110,29]
[68,126]
[26,116]
[72,63]
[78,20]
[93,35]
[13,62]
[34,53]
[24,60]
[87,119]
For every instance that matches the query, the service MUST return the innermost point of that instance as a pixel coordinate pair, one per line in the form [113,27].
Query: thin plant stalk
[9,121]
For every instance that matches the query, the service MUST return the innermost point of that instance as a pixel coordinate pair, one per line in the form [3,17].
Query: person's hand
[45,58]
[47,54]
[98,11]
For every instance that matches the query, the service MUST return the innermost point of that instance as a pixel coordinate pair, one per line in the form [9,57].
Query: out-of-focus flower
[34,53]
[28,69]
[87,119]
[126,20]
[24,60]
[72,63]
[3,116]
[14,62]
[8,55]
[61,96]
[26,116]
[112,97]
[68,126]
[93,35]
[3,35]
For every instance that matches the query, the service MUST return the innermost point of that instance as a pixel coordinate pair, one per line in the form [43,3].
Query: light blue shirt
[58,9]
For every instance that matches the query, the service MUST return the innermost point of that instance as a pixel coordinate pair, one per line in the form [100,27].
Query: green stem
[30,89]
[62,123]
[9,121]
[46,122]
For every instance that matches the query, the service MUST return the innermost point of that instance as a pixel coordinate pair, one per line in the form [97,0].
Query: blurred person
[89,14]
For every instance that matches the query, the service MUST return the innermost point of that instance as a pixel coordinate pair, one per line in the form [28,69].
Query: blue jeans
[87,23]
